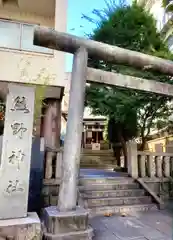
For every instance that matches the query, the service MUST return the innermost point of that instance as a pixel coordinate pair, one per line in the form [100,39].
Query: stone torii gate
[64,213]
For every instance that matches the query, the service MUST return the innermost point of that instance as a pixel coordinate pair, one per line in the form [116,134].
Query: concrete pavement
[157,225]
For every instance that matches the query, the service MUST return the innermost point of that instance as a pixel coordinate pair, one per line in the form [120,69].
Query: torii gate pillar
[67,219]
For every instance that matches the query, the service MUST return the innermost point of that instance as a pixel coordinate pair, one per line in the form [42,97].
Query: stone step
[113,193]
[77,235]
[108,186]
[122,209]
[85,181]
[95,163]
[109,155]
[97,166]
[100,202]
[97,160]
[102,157]
[97,152]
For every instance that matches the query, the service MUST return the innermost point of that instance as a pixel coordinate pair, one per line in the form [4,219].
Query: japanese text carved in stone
[13,187]
[16,158]
[18,129]
[20,105]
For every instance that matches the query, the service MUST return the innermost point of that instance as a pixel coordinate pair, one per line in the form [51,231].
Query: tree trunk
[142,146]
[117,154]
[124,148]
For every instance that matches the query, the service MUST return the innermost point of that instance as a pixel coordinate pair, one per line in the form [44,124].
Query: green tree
[134,28]
[168,5]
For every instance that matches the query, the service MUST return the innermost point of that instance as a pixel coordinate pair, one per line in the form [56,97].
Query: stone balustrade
[52,177]
[154,164]
[53,164]
[140,164]
[143,164]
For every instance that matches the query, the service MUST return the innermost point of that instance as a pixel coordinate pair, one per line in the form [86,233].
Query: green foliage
[134,28]
[167,30]
[164,3]
[167,5]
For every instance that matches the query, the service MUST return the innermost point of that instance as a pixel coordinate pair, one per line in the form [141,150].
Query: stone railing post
[159,166]
[48,165]
[58,170]
[132,159]
[150,166]
[142,166]
[166,161]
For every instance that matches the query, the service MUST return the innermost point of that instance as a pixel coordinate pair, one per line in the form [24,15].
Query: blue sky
[75,10]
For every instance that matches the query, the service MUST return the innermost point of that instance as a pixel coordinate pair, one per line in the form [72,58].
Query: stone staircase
[113,195]
[101,159]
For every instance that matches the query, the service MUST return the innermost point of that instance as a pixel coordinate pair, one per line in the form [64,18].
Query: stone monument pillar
[15,166]
[68,221]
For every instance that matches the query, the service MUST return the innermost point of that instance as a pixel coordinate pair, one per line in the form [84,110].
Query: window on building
[27,33]
[10,35]
[19,36]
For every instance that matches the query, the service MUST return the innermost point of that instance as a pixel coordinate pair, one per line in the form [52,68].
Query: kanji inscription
[16,151]
[18,129]
[20,105]
[14,186]
[16,158]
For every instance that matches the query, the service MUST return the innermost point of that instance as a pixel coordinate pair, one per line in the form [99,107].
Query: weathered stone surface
[45,190]
[117,201]
[53,200]
[113,193]
[117,210]
[106,180]
[132,159]
[46,201]
[156,225]
[80,235]
[108,186]
[72,145]
[160,189]
[57,222]
[22,228]
[16,152]
[54,190]
[97,159]
[50,194]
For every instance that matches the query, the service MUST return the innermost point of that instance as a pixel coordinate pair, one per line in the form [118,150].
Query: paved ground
[142,226]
